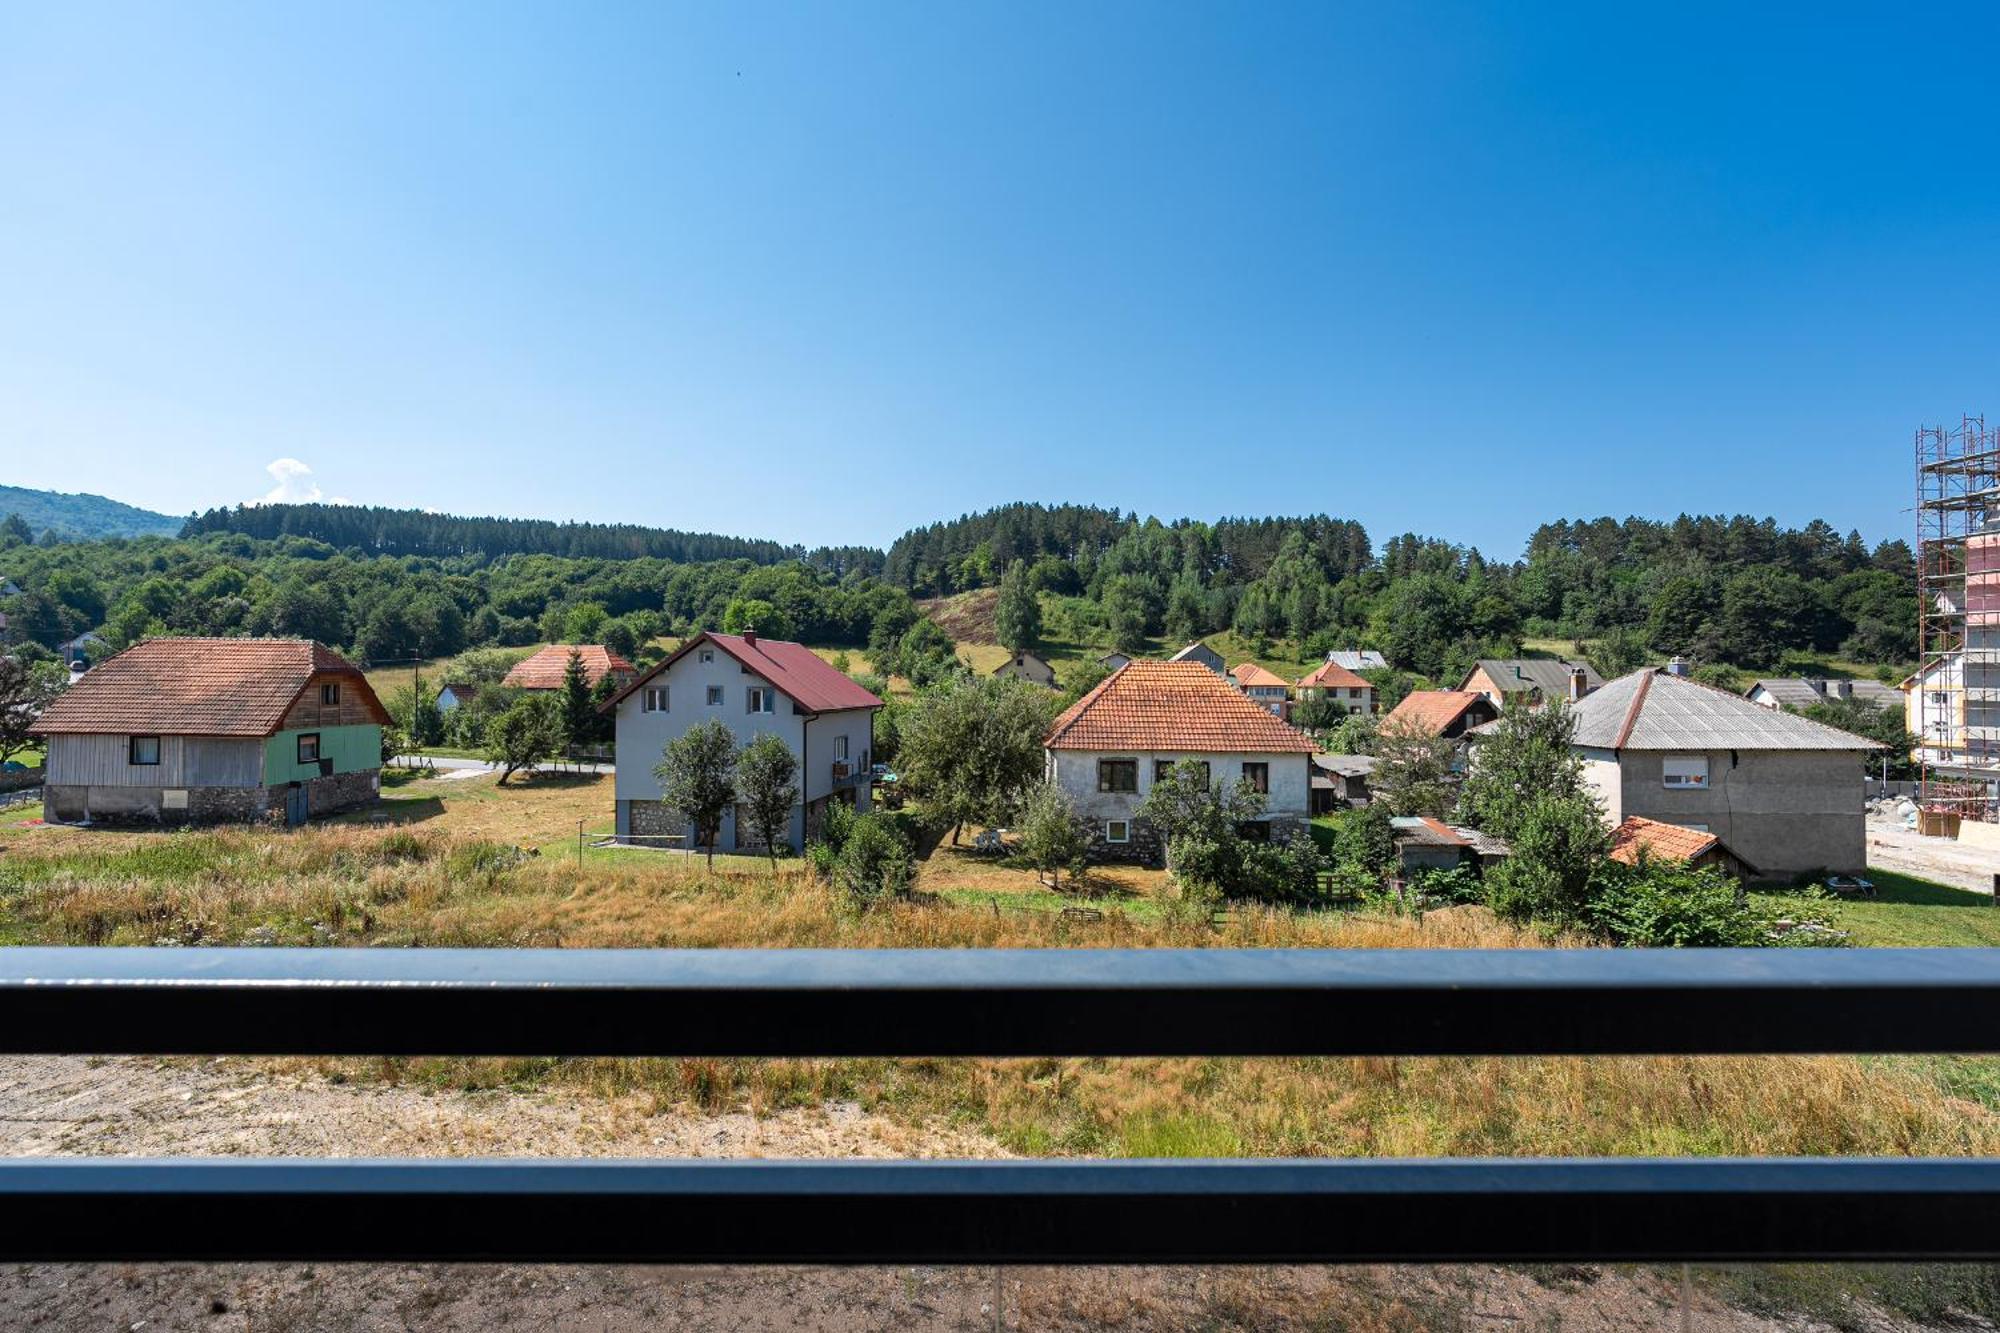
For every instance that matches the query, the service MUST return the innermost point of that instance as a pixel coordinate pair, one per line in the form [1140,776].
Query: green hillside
[84,516]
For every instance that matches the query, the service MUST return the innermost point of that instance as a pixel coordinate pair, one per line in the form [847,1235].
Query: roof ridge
[1639,693]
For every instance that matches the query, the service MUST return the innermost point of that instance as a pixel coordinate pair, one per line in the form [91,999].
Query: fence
[999,1003]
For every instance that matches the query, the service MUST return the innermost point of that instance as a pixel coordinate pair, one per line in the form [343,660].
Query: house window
[329,694]
[762,699]
[655,699]
[1118,775]
[707,656]
[1117,830]
[309,748]
[143,750]
[715,696]
[1162,767]
[1259,777]
[1684,770]
[840,748]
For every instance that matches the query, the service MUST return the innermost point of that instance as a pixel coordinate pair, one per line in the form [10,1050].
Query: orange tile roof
[1430,711]
[1251,674]
[1660,841]
[544,669]
[1179,706]
[1333,676]
[199,687]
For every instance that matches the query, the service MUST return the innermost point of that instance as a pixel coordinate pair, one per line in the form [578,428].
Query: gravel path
[1944,860]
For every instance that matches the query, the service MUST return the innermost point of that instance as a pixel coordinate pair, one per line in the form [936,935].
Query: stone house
[1028,666]
[1109,747]
[754,687]
[175,731]
[1784,794]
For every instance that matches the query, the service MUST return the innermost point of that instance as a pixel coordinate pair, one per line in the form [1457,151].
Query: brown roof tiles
[199,687]
[1176,706]
[544,670]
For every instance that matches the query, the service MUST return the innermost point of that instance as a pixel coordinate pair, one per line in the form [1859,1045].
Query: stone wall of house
[71,804]
[1144,847]
[332,794]
[226,805]
[652,819]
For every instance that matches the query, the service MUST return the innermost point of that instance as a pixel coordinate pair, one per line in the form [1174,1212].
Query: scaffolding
[1955,693]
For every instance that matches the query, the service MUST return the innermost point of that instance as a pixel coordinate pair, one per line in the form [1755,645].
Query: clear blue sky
[823,272]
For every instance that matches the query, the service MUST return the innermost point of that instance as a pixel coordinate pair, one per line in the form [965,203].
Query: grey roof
[1357,659]
[1654,710]
[1800,692]
[1549,675]
[1347,765]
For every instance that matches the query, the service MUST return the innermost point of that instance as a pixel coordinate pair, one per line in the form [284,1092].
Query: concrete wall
[1783,811]
[643,736]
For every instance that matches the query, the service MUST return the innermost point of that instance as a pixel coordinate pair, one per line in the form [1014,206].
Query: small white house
[754,687]
[1112,745]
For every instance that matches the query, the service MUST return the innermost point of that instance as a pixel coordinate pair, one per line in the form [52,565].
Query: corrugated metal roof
[1656,710]
[1548,675]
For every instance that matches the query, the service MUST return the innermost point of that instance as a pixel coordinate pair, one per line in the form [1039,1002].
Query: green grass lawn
[1911,912]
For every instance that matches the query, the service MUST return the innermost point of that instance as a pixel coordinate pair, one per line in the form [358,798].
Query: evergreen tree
[579,703]
[1017,617]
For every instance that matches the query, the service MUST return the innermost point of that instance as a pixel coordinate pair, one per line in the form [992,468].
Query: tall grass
[340,886]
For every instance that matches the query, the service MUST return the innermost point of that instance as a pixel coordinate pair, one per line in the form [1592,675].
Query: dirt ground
[1893,847]
[85,1106]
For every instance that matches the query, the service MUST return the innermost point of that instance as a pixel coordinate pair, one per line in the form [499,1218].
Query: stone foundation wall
[331,795]
[226,805]
[1145,847]
[652,819]
[146,806]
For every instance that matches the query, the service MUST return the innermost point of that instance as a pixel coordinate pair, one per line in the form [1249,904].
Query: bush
[1286,872]
[875,864]
[1362,841]
[1052,838]
[1557,846]
[1668,905]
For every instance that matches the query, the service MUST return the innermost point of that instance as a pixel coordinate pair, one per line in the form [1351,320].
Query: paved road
[472,768]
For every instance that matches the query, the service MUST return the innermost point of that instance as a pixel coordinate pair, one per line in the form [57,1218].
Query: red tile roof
[544,669]
[1333,676]
[797,673]
[1178,706]
[1430,712]
[1250,674]
[199,687]
[1660,841]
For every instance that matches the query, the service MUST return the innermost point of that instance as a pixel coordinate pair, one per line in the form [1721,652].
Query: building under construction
[1954,699]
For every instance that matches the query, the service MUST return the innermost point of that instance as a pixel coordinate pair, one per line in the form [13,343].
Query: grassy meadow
[468,863]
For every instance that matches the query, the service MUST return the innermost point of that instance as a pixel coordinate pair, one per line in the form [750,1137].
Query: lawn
[1911,912]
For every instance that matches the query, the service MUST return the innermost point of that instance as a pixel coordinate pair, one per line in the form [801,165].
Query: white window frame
[1678,772]
[1123,827]
[656,699]
[760,699]
[840,749]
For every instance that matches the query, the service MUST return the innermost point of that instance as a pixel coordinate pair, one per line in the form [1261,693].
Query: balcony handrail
[1218,1002]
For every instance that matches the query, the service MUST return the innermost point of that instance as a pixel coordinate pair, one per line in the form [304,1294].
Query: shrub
[875,864]
[1668,905]
[1362,840]
[1557,845]
[1052,838]
[1286,872]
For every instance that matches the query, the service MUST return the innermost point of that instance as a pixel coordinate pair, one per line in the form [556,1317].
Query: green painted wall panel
[352,749]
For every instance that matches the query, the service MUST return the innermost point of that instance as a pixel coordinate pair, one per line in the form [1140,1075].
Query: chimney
[750,638]
[1677,667]
[1579,683]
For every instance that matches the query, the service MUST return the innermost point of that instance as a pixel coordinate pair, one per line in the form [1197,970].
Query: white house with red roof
[754,687]
[1112,745]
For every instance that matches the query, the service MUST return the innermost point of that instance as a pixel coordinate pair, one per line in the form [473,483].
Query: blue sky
[824,272]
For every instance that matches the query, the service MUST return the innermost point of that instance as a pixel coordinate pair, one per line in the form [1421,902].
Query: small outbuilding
[1028,666]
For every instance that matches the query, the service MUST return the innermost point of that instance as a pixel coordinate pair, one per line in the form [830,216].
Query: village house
[1658,841]
[1534,679]
[1800,692]
[1358,659]
[545,668]
[754,687]
[1341,685]
[1783,793]
[1202,653]
[207,730]
[1446,713]
[1263,687]
[455,693]
[1028,666]
[1109,748]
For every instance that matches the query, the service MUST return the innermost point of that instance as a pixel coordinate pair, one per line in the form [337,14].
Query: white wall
[1076,772]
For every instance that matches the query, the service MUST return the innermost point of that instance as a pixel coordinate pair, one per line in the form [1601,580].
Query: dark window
[1258,776]
[309,748]
[143,750]
[330,693]
[1118,775]
[714,694]
[1162,767]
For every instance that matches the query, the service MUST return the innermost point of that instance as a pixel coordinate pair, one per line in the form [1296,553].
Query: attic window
[707,656]
[329,693]
[1684,770]
[143,750]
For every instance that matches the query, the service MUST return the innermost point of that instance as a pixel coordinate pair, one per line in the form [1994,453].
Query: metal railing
[999,1003]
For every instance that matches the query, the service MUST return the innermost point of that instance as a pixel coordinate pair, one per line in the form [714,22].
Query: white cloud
[295,484]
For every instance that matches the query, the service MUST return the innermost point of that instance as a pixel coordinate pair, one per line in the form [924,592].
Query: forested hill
[406,532]
[83,517]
